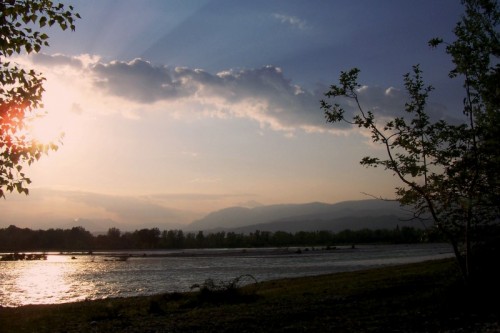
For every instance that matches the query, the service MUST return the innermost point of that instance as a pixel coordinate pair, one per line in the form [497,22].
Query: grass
[423,297]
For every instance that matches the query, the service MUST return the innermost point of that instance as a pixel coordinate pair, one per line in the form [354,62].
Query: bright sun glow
[46,129]
[58,116]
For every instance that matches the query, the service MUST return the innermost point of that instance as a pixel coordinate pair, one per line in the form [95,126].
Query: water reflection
[62,279]
[42,282]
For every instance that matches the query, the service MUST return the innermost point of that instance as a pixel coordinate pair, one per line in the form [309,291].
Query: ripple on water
[60,279]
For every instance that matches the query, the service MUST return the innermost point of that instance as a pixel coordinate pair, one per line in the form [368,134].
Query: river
[72,277]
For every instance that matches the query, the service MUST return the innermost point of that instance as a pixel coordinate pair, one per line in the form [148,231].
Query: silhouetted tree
[113,239]
[190,241]
[447,171]
[282,238]
[79,239]
[200,239]
[146,238]
[21,89]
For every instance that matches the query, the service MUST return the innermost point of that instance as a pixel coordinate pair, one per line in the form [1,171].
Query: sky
[174,109]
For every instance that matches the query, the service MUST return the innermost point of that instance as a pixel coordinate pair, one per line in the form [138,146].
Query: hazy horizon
[186,220]
[174,109]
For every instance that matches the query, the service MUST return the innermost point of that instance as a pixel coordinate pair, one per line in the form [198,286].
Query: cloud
[291,20]
[59,208]
[193,197]
[263,94]
[137,80]
[127,208]
[390,102]
[56,60]
[76,108]
[206,180]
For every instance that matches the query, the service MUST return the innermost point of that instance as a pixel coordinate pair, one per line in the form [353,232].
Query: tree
[447,171]
[21,31]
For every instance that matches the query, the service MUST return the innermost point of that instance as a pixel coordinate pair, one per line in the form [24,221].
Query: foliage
[225,291]
[21,31]
[447,170]
[79,239]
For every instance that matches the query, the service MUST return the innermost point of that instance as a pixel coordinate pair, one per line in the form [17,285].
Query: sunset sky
[173,109]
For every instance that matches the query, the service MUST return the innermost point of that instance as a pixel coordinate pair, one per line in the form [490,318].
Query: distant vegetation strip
[79,239]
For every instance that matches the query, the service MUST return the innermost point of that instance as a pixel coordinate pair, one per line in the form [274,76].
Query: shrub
[212,291]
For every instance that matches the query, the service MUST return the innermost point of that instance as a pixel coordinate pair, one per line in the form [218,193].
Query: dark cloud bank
[266,94]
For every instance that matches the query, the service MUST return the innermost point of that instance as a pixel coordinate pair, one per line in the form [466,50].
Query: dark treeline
[79,239]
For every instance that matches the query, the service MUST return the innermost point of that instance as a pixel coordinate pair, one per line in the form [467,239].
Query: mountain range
[354,215]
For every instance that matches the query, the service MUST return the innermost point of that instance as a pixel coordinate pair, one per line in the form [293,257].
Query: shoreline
[232,252]
[103,275]
[420,297]
[238,252]
[181,253]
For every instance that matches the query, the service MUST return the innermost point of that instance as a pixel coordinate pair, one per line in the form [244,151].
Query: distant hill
[335,225]
[373,214]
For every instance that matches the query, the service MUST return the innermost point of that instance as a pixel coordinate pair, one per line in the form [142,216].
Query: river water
[72,277]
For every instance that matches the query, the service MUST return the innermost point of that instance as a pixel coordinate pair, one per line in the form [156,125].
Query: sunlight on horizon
[124,160]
